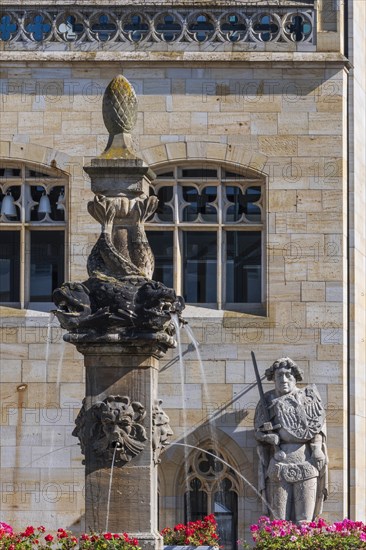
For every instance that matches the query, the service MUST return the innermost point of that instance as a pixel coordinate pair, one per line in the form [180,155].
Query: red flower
[107,536]
[48,538]
[84,536]
[135,542]
[28,532]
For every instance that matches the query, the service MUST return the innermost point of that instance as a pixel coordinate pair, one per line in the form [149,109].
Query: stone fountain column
[119,319]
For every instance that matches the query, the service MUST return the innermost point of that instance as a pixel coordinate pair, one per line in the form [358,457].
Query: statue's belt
[291,472]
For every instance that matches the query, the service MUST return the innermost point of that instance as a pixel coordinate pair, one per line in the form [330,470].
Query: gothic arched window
[207,235]
[211,488]
[32,233]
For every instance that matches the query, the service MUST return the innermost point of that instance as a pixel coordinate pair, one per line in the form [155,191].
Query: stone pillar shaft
[117,370]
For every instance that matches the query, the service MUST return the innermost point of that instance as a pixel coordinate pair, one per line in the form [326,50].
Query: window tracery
[33,217]
[212,487]
[207,235]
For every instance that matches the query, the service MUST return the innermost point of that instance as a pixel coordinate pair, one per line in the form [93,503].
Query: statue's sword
[267,425]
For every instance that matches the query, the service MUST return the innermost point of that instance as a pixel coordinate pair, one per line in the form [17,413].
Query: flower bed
[35,538]
[194,533]
[314,535]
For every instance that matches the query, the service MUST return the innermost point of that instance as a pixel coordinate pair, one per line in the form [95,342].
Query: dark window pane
[46,264]
[233,175]
[252,212]
[190,213]
[199,173]
[195,502]
[243,203]
[199,204]
[166,175]
[243,267]
[164,211]
[9,172]
[161,243]
[199,266]
[236,210]
[36,174]
[226,510]
[9,266]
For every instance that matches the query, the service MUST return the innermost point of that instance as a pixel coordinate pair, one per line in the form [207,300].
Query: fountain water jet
[110,489]
[211,416]
[230,466]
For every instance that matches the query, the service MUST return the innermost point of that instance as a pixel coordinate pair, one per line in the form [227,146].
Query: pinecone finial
[119,115]
[119,106]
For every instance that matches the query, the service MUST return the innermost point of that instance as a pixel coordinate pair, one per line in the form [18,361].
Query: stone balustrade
[157,27]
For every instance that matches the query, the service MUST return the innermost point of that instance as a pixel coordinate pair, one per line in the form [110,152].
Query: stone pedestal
[124,499]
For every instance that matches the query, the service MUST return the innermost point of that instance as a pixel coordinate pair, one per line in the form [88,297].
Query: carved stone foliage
[292,22]
[161,430]
[112,427]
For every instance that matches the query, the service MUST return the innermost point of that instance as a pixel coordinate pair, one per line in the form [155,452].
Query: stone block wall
[284,119]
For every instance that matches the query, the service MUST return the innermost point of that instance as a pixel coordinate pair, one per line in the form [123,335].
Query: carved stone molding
[112,426]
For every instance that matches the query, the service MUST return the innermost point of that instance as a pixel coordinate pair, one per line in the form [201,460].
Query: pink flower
[6,528]
[293,538]
[321,523]
[363,536]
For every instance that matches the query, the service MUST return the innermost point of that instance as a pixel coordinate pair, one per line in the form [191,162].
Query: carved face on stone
[284,380]
[118,427]
[161,430]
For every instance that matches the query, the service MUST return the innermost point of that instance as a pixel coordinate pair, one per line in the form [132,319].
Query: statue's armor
[301,417]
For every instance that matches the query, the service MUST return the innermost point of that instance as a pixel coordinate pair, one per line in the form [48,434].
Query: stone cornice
[325,58]
[168,3]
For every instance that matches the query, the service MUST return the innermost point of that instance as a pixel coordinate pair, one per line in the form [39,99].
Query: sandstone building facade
[252,115]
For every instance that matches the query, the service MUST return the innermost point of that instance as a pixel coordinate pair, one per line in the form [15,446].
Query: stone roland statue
[290,431]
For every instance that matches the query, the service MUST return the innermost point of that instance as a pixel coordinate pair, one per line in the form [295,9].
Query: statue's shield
[300,413]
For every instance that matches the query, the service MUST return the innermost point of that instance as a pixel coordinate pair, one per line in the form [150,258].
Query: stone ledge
[178,3]
[311,58]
